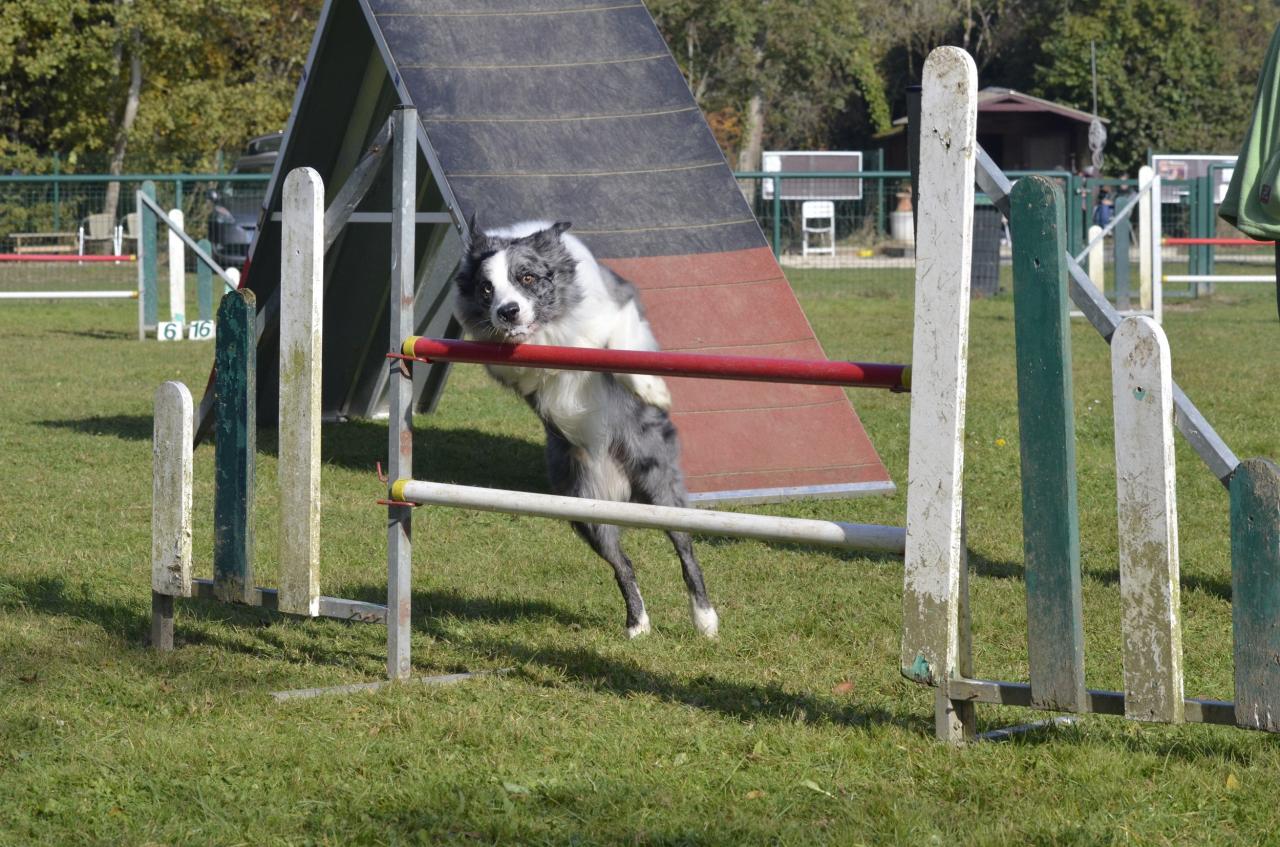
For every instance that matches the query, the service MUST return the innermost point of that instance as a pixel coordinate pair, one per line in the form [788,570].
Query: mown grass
[793,728]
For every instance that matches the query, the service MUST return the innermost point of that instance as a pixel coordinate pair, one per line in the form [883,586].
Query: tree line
[178,85]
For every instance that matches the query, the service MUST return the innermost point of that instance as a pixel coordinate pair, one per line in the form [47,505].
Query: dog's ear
[477,241]
[559,227]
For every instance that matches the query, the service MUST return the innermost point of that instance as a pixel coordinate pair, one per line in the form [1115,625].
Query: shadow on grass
[252,634]
[737,700]
[462,456]
[99,334]
[1215,586]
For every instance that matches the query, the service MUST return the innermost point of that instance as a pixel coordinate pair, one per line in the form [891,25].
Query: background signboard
[813,161]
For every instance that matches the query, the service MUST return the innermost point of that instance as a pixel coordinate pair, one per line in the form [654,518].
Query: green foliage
[809,61]
[1164,79]
[1173,74]
[214,72]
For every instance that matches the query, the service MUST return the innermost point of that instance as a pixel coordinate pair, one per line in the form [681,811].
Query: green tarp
[1252,202]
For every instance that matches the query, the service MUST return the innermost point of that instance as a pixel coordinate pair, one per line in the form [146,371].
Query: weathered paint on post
[1145,173]
[171,491]
[148,266]
[404,206]
[301,324]
[204,282]
[1255,592]
[1050,516]
[956,721]
[177,271]
[934,548]
[1146,504]
[236,437]
[1097,261]
[171,474]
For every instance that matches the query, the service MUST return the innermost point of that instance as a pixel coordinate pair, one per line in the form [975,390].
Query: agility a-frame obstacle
[560,110]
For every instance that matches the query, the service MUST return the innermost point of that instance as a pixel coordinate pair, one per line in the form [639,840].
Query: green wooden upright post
[57,191]
[777,216]
[1255,592]
[1209,226]
[1120,244]
[204,282]
[147,221]
[235,433]
[1051,525]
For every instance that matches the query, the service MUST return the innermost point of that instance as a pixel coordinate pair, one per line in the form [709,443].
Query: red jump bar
[61,257]
[749,368]
[1220,242]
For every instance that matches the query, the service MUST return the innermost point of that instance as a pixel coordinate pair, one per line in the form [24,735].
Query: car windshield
[269,144]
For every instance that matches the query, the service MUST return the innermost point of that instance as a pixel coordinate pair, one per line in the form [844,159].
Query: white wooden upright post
[932,580]
[1097,261]
[1145,173]
[177,272]
[170,507]
[1142,386]
[1157,250]
[301,330]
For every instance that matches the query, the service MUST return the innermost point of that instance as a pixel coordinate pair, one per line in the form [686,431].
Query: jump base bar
[330,607]
[444,679]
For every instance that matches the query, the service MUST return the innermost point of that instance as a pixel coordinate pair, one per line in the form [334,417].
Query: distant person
[1105,210]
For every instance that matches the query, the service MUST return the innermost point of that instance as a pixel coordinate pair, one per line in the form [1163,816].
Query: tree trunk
[112,199]
[749,154]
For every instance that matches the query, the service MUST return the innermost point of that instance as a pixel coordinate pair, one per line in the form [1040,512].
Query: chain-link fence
[47,220]
[1197,243]
[859,223]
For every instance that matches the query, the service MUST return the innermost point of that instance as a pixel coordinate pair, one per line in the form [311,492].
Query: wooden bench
[44,242]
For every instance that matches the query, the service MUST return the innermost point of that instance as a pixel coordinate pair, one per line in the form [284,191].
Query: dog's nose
[509,311]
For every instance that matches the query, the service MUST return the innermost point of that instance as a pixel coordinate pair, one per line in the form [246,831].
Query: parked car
[236,205]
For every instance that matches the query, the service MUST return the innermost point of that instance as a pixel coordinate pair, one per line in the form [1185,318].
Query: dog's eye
[528,279]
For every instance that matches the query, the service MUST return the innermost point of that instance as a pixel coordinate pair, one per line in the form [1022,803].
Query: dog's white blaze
[497,269]
[705,621]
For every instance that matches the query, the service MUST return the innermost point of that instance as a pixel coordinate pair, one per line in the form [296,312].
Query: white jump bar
[870,537]
[68,295]
[1222,278]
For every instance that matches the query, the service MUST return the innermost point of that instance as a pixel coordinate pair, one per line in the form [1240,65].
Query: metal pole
[886,539]
[708,366]
[777,216]
[913,150]
[404,194]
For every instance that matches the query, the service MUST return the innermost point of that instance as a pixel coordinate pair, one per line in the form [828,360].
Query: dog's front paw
[652,390]
[705,621]
[641,627]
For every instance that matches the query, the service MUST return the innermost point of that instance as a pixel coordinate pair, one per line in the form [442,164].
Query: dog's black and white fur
[608,435]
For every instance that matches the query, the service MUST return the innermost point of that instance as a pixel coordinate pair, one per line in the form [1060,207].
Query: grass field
[793,728]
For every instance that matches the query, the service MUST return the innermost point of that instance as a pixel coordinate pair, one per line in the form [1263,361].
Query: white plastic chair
[818,217]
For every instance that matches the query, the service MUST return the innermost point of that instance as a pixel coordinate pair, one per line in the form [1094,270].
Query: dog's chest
[574,401]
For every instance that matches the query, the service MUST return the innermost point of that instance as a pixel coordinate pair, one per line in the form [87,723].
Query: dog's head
[512,282]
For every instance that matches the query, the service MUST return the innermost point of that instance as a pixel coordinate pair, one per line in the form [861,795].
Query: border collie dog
[608,435]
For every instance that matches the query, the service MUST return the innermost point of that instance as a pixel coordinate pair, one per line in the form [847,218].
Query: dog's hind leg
[655,478]
[605,540]
[575,474]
